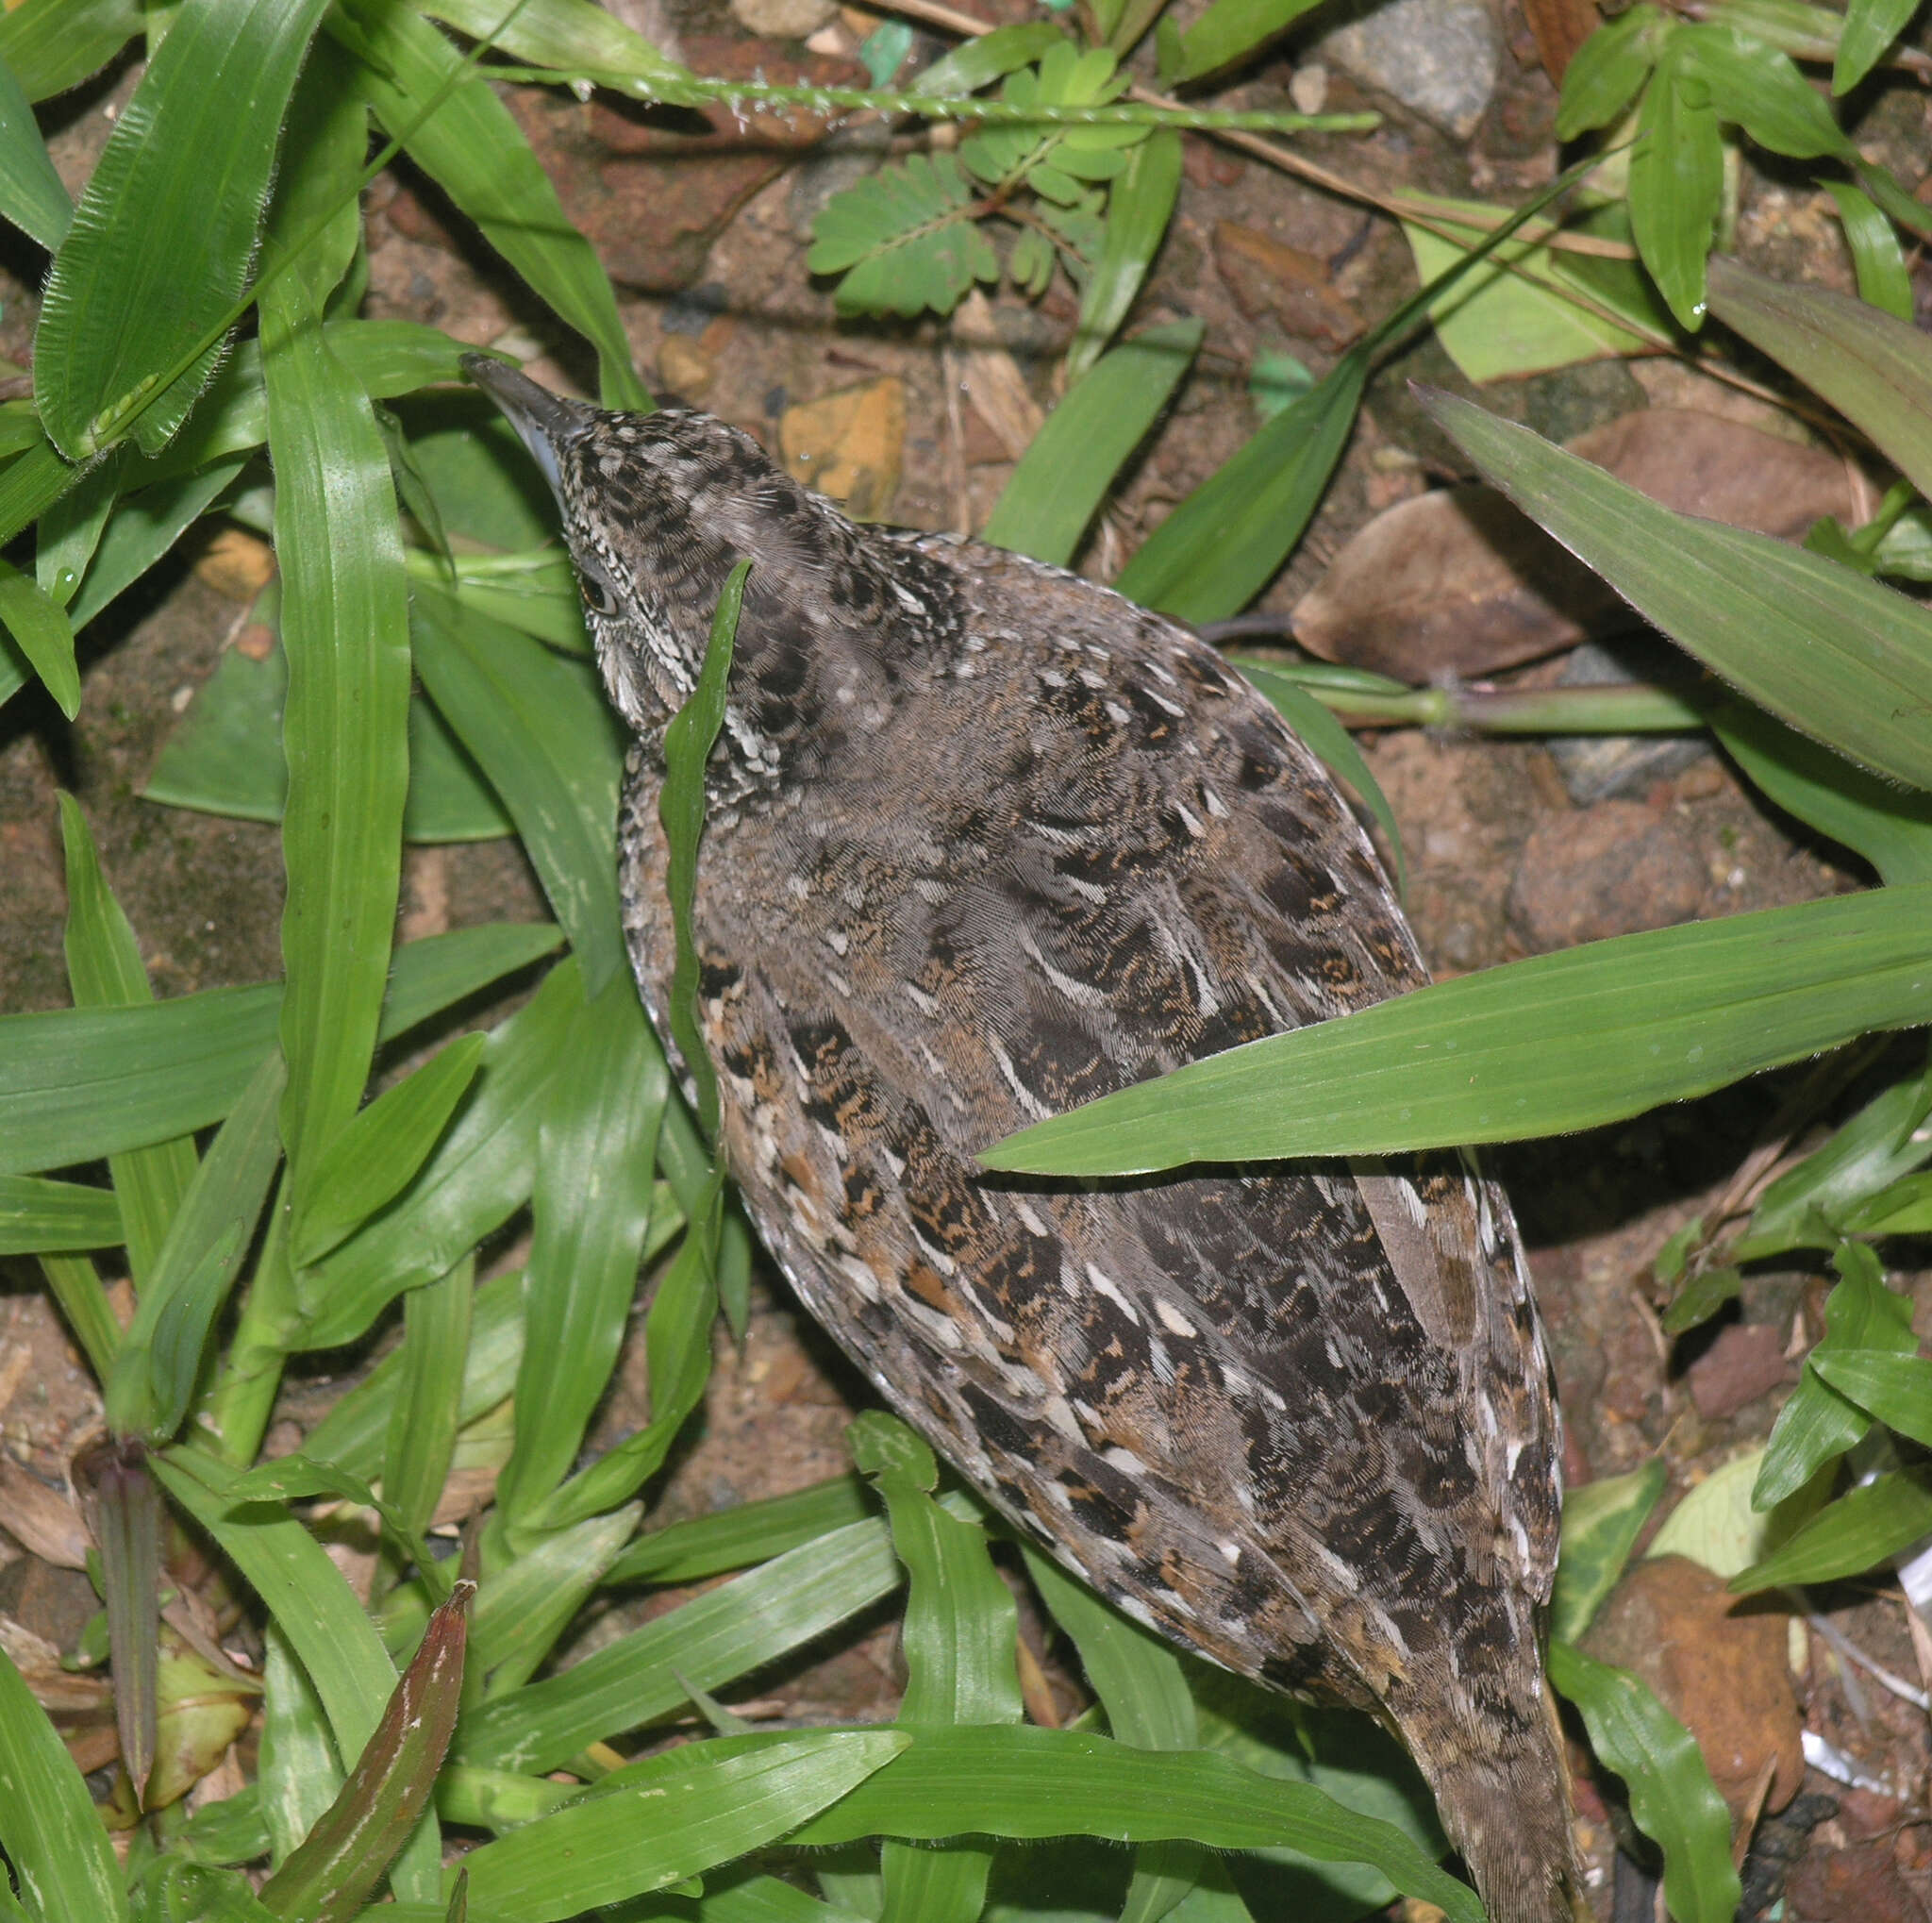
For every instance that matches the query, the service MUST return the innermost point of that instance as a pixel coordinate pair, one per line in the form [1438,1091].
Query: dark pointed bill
[544,421]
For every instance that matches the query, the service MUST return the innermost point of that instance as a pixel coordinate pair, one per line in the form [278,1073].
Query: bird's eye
[599,596]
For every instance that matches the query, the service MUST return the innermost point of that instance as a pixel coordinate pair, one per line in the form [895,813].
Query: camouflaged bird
[985,841]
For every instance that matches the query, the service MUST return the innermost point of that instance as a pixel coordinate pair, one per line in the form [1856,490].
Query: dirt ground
[707,238]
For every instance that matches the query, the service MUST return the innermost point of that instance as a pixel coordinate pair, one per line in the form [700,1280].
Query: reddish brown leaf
[1561,27]
[1268,277]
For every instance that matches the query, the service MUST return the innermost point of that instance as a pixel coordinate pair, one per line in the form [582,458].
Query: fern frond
[905,239]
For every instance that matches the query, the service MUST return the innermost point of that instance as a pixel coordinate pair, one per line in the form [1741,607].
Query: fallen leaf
[848,446]
[992,379]
[1745,1360]
[1559,28]
[1268,277]
[1717,1664]
[1459,583]
[40,1519]
[237,565]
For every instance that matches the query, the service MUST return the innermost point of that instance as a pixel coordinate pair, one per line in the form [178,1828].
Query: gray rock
[1439,58]
[1599,767]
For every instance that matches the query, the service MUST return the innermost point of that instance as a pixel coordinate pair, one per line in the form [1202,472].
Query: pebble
[1439,58]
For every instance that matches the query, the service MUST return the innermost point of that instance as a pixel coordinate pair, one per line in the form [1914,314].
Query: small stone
[848,446]
[1439,58]
[1599,767]
[685,368]
[783,19]
[1609,870]
[1745,1360]
[1308,88]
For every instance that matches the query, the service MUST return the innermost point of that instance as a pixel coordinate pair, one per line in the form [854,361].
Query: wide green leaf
[52,1834]
[1601,1523]
[1230,30]
[44,1217]
[1019,1781]
[748,1533]
[427,1412]
[161,242]
[1536,1048]
[475,152]
[1884,280]
[1870,29]
[1064,476]
[54,45]
[1671,1795]
[31,191]
[1603,78]
[41,630]
[1873,368]
[671,1817]
[1676,182]
[1850,1536]
[1840,658]
[105,970]
[1896,1388]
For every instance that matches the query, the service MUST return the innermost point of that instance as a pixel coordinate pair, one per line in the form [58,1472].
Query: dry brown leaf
[1559,28]
[42,1520]
[1268,277]
[993,380]
[1718,1664]
[1459,583]
[848,446]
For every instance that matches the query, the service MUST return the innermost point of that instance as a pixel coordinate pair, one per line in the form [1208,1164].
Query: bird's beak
[546,422]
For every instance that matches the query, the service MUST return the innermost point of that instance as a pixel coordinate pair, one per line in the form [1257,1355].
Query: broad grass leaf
[51,45]
[543,735]
[1895,1388]
[299,1772]
[105,970]
[1883,280]
[575,35]
[156,1370]
[1870,29]
[719,1636]
[524,1606]
[1024,1782]
[661,1821]
[46,1218]
[475,1179]
[315,1609]
[1671,1796]
[1875,370]
[1889,826]
[1819,1423]
[1601,1523]
[601,1111]
[475,151]
[53,1836]
[428,1410]
[31,483]
[31,191]
[345,624]
[1065,474]
[41,631]
[377,1152]
[1856,1533]
[1536,1048]
[751,1533]
[1757,87]
[1229,30]
[1839,657]
[164,237]
[1676,183]
[977,63]
[1603,78]
[141,530]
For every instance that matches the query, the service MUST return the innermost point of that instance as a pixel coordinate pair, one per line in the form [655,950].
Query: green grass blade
[1064,476]
[156,1369]
[75,1286]
[316,1609]
[1833,654]
[525,1607]
[1019,1781]
[709,1641]
[345,629]
[575,35]
[1854,1534]
[338,1863]
[1676,183]
[162,239]
[31,191]
[376,1154]
[105,970]
[1870,29]
[141,530]
[1874,369]
[1217,550]
[1671,1796]
[1897,1389]
[475,152]
[1602,1521]
[671,1817]
[31,483]
[45,1218]
[1537,1047]
[1884,280]
[602,1113]
[428,1410]
[1230,30]
[52,1834]
[54,45]
[475,1179]
[299,1772]
[44,634]
[543,734]
[735,1538]
[1818,1423]
[1138,206]
[354,1436]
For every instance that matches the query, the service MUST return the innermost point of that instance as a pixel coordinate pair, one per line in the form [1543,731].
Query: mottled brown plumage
[986,840]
